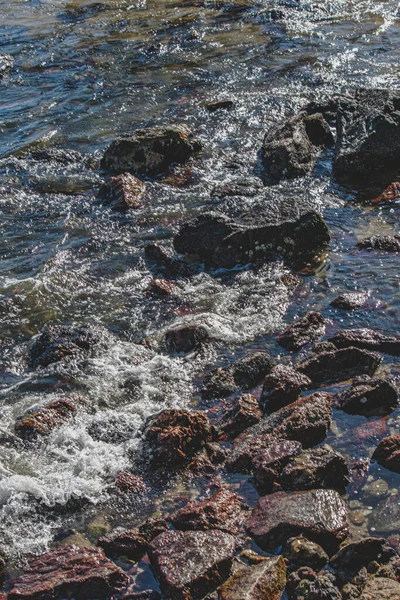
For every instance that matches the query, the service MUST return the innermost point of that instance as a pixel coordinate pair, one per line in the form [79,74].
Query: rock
[132,543]
[223,510]
[281,387]
[350,300]
[387,243]
[128,483]
[321,347]
[150,151]
[123,191]
[390,193]
[289,149]
[320,588]
[135,595]
[241,414]
[208,460]
[207,558]
[385,518]
[60,156]
[369,433]
[318,468]
[267,579]
[246,450]
[269,464]
[57,342]
[187,338]
[359,554]
[308,329]
[160,287]
[382,588]
[376,490]
[247,188]
[175,436]
[309,420]
[69,571]
[244,374]
[160,256]
[6,64]
[387,453]
[367,339]
[318,514]
[219,104]
[339,365]
[301,551]
[42,421]
[368,147]
[295,578]
[374,397]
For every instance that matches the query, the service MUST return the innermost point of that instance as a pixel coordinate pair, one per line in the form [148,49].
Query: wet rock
[339,365]
[281,387]
[369,433]
[208,460]
[161,287]
[241,414]
[390,193]
[301,551]
[267,579]
[376,490]
[160,256]
[6,64]
[244,374]
[368,147]
[69,571]
[246,450]
[132,543]
[219,104]
[3,562]
[175,436]
[320,467]
[289,149]
[295,578]
[61,156]
[318,514]
[320,588]
[123,191]
[42,421]
[358,554]
[269,464]
[350,300]
[308,421]
[385,519]
[207,558]
[382,588]
[374,397]
[57,342]
[321,347]
[387,453]
[223,510]
[367,339]
[308,329]
[387,243]
[127,483]
[186,338]
[150,151]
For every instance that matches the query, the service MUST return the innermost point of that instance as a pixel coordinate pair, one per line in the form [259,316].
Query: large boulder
[42,421]
[69,572]
[190,564]
[265,580]
[150,151]
[57,342]
[320,467]
[318,514]
[367,339]
[305,330]
[374,397]
[387,453]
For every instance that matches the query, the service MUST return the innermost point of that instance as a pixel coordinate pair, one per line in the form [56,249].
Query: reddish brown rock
[42,421]
[308,329]
[223,510]
[318,514]
[191,564]
[282,386]
[245,451]
[351,300]
[208,460]
[241,414]
[269,464]
[309,419]
[387,243]
[187,338]
[367,339]
[368,433]
[387,453]
[391,193]
[132,543]
[69,572]
[57,342]
[265,580]
[320,467]
[175,436]
[123,191]
[161,287]
[374,397]
[339,365]
[128,483]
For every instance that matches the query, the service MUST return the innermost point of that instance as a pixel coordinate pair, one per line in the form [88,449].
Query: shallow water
[86,71]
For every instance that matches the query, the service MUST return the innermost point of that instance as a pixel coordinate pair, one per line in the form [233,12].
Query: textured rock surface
[385,518]
[374,397]
[367,339]
[321,587]
[387,453]
[318,514]
[359,554]
[301,551]
[243,412]
[350,300]
[381,588]
[6,64]
[308,329]
[59,341]
[281,387]
[269,464]
[123,191]
[132,542]
[309,419]
[205,555]
[320,467]
[69,572]
[186,338]
[46,418]
[387,243]
[339,365]
[262,581]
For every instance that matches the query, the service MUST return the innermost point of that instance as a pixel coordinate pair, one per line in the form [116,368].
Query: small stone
[281,387]
[375,491]
[367,339]
[350,301]
[339,365]
[320,467]
[161,287]
[357,517]
[186,339]
[387,243]
[387,453]
[241,414]
[374,397]
[301,551]
[262,581]
[391,193]
[308,329]
[385,518]
[123,191]
[321,588]
[132,543]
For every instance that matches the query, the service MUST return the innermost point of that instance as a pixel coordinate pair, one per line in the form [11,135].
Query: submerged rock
[243,412]
[374,397]
[132,543]
[339,365]
[42,421]
[127,483]
[318,514]
[301,551]
[190,564]
[387,243]
[57,342]
[186,338]
[350,300]
[367,339]
[359,554]
[150,151]
[308,329]
[387,453]
[320,467]
[265,580]
[69,572]
[123,191]
[281,387]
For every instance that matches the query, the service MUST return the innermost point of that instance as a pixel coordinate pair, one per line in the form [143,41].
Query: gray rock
[339,365]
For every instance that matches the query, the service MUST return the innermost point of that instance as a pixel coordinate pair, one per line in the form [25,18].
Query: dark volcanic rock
[359,554]
[246,450]
[367,339]
[247,188]
[387,453]
[387,243]
[339,365]
[301,551]
[160,256]
[123,191]
[223,510]
[241,414]
[69,572]
[150,151]
[175,436]
[265,580]
[3,562]
[133,543]
[282,386]
[290,148]
[317,468]
[350,300]
[318,514]
[308,329]
[46,418]
[186,338]
[269,464]
[308,421]
[190,564]
[374,397]
[59,341]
